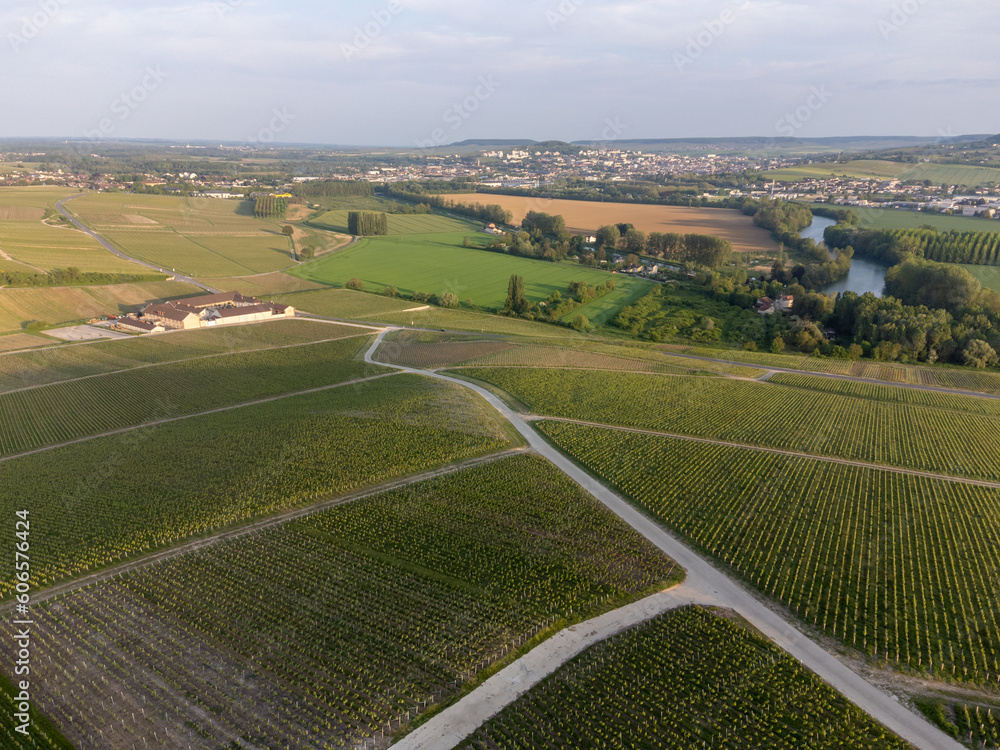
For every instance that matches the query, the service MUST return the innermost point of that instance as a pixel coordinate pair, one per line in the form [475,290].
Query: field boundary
[254,527]
[219,410]
[764,449]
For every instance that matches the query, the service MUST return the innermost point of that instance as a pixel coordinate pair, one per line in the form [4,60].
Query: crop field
[41,246]
[888,393]
[588,216]
[43,735]
[33,197]
[28,369]
[263,284]
[952,174]
[112,498]
[197,236]
[399,599]
[751,413]
[435,264]
[60,412]
[891,218]
[864,169]
[946,377]
[974,726]
[336,221]
[407,349]
[16,341]
[901,567]
[66,305]
[688,679]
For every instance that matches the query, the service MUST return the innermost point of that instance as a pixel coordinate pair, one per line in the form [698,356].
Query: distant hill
[497,142]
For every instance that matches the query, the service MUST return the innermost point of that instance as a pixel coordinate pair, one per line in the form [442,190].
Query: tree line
[270,207]
[332,189]
[71,277]
[367,223]
[893,246]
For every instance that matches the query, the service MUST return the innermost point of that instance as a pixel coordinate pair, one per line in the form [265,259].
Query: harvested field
[263,284]
[586,216]
[20,213]
[413,353]
[19,341]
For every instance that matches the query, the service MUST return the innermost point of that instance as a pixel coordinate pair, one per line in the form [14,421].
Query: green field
[988,276]
[27,369]
[435,264]
[937,439]
[336,221]
[900,567]
[60,412]
[115,497]
[891,218]
[342,625]
[688,679]
[196,236]
[938,174]
[863,169]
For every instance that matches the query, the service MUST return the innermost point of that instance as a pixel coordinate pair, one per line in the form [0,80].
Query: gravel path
[708,586]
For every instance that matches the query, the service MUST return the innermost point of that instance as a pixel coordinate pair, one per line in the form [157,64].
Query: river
[865,275]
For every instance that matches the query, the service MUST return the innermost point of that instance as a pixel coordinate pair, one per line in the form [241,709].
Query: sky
[432,72]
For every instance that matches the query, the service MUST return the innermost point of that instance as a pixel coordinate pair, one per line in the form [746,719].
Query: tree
[356,284]
[635,241]
[632,260]
[581,323]
[608,236]
[979,354]
[390,291]
[448,299]
[777,345]
[515,304]
[287,231]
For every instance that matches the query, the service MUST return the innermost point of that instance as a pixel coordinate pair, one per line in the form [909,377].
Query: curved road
[115,251]
[711,587]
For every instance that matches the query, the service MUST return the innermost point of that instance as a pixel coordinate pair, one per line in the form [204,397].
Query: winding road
[115,251]
[707,585]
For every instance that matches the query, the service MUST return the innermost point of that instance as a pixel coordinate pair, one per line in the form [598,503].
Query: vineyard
[888,393]
[116,497]
[339,627]
[976,727]
[61,412]
[54,365]
[900,567]
[893,434]
[43,735]
[688,679]
[958,378]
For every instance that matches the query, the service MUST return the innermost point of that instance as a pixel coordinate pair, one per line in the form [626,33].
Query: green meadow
[438,263]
